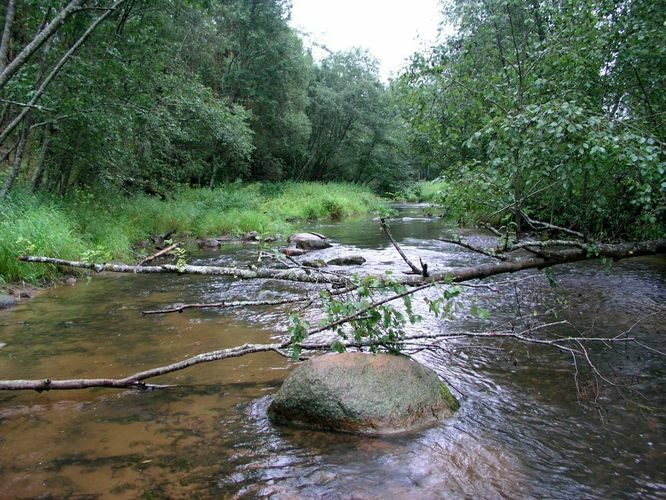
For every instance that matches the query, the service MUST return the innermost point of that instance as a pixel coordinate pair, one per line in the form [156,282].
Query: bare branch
[545,225]
[136,380]
[23,105]
[157,254]
[412,266]
[474,248]
[226,304]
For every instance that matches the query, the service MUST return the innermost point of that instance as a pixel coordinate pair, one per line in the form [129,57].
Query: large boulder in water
[362,393]
[308,241]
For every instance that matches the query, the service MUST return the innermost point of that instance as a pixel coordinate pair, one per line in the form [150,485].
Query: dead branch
[474,248]
[136,380]
[415,269]
[157,254]
[535,224]
[613,251]
[226,304]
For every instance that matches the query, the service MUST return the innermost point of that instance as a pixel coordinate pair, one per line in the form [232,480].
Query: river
[521,431]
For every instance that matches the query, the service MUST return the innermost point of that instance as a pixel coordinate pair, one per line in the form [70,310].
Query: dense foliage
[555,108]
[203,92]
[533,109]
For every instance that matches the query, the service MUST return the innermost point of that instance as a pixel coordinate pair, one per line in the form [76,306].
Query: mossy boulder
[362,393]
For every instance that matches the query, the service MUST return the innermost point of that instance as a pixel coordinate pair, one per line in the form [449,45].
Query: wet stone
[7,301]
[209,244]
[308,241]
[362,393]
[316,263]
[349,260]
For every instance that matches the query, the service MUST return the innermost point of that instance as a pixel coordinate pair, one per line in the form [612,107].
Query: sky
[391,30]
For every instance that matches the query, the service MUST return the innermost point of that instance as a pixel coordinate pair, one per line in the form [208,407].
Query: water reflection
[520,431]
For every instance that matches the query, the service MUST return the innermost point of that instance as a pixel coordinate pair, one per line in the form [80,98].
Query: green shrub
[94,224]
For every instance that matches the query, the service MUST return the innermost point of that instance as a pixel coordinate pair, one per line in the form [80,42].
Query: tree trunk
[39,39]
[6,34]
[54,72]
[612,251]
[18,157]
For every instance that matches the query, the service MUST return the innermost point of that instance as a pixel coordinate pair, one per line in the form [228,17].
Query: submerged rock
[316,263]
[308,241]
[7,301]
[293,251]
[209,244]
[362,393]
[349,260]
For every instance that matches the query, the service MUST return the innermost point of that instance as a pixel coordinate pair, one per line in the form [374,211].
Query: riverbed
[522,430]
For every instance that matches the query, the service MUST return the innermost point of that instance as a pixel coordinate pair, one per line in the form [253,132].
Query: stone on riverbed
[315,263]
[308,241]
[7,301]
[209,244]
[362,393]
[349,260]
[293,251]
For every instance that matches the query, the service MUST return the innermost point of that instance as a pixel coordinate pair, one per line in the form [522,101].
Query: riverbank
[108,226]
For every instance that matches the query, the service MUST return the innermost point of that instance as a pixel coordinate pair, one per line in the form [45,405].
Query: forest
[549,111]
[528,138]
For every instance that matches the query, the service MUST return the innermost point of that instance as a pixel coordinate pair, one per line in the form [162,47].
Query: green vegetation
[545,110]
[93,226]
[530,110]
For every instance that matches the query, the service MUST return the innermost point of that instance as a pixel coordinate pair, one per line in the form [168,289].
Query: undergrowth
[112,223]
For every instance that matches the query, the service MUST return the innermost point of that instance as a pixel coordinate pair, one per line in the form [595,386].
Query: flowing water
[521,431]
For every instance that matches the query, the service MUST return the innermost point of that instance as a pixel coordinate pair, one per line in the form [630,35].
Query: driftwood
[150,258]
[612,251]
[572,345]
[575,346]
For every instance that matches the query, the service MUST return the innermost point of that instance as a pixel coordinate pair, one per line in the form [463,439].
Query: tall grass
[112,223]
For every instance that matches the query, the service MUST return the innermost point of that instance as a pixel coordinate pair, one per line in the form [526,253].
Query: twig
[545,225]
[474,248]
[157,254]
[225,304]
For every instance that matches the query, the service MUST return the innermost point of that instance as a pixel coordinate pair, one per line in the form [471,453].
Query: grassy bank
[93,225]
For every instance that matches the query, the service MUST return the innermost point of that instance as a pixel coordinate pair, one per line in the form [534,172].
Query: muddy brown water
[521,431]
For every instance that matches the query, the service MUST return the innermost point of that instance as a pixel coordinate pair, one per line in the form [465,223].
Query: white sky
[391,30]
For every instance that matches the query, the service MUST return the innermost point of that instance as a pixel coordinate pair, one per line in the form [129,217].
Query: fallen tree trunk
[612,251]
[137,379]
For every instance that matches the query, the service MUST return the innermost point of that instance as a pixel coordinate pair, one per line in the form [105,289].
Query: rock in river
[315,263]
[209,244]
[308,241]
[362,393]
[349,260]
[7,301]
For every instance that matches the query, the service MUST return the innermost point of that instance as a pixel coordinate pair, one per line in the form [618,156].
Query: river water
[521,432]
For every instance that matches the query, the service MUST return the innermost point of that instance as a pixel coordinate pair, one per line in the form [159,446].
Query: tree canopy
[531,110]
